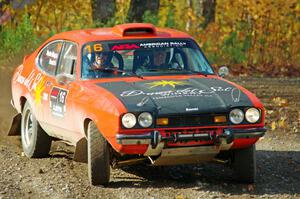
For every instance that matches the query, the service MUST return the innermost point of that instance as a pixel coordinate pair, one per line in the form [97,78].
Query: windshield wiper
[198,72]
[111,70]
[154,69]
[165,69]
[176,69]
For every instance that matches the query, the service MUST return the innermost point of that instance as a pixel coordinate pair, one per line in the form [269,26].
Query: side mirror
[63,79]
[223,71]
[25,58]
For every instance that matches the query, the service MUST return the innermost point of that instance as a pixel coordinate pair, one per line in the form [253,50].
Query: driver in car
[160,60]
[101,61]
[100,64]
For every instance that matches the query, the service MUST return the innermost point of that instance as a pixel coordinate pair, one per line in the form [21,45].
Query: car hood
[170,96]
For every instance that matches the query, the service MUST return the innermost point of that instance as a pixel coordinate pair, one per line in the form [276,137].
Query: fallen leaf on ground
[280,101]
[273,126]
[180,197]
[282,123]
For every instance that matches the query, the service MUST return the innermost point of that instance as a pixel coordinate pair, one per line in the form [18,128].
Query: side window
[68,59]
[49,57]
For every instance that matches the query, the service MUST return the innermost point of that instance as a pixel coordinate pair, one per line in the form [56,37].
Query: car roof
[120,32]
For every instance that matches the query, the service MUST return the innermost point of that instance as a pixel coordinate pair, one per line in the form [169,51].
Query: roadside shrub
[149,17]
[17,40]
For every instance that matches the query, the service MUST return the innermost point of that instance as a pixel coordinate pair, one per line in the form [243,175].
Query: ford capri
[134,94]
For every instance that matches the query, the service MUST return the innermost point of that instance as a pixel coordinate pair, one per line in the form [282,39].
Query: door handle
[48,83]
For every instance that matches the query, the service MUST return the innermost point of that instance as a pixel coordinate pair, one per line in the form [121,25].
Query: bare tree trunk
[103,10]
[189,22]
[138,8]
[209,11]
[3,12]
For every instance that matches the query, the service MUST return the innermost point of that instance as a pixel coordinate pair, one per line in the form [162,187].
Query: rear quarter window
[49,56]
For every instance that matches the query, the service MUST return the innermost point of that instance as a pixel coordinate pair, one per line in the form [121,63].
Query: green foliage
[170,20]
[234,49]
[149,17]
[245,33]
[98,24]
[20,39]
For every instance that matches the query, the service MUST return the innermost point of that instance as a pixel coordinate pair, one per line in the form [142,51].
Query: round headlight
[236,116]
[252,115]
[129,120]
[145,119]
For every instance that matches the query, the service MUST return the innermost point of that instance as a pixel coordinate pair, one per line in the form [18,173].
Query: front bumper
[154,138]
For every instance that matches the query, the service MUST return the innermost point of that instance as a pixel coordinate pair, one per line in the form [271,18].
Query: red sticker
[54,92]
[125,47]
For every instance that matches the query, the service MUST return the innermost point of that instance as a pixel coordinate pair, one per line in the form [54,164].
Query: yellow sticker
[164,83]
[40,87]
[96,48]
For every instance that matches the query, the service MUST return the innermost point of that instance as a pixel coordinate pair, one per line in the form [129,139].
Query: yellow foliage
[122,7]
[273,24]
[260,33]
[273,126]
[56,16]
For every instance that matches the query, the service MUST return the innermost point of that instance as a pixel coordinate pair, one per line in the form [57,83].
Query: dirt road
[58,176]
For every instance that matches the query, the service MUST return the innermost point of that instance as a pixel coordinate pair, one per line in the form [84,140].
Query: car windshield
[143,58]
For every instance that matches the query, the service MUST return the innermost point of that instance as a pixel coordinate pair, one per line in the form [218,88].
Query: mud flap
[81,151]
[15,127]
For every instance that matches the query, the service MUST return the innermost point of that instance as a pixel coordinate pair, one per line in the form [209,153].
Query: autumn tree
[209,10]
[3,3]
[138,8]
[103,10]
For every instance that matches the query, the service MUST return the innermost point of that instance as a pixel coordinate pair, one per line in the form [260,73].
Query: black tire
[36,142]
[98,157]
[244,164]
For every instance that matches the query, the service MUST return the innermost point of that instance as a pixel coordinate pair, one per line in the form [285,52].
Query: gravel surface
[278,161]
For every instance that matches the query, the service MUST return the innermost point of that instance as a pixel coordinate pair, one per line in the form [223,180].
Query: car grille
[192,120]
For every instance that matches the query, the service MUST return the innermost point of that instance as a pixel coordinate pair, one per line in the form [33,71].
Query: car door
[58,108]
[46,62]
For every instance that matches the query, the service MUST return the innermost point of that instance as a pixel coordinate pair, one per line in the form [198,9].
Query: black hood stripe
[203,95]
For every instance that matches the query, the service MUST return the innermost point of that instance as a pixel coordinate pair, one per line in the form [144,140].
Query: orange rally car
[131,94]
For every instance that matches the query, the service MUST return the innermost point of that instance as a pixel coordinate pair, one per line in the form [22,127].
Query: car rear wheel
[36,142]
[98,156]
[244,164]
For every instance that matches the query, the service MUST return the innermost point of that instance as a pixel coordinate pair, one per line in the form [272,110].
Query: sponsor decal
[125,47]
[164,83]
[40,87]
[192,109]
[34,82]
[187,92]
[31,81]
[45,96]
[52,57]
[52,54]
[143,101]
[95,48]
[235,95]
[163,44]
[58,98]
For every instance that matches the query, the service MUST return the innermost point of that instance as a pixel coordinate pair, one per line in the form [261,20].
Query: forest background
[252,37]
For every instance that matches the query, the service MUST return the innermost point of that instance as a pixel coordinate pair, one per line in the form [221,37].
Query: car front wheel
[98,156]
[244,164]
[36,142]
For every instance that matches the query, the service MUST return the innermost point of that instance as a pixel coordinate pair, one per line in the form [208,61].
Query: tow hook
[228,135]
[156,138]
